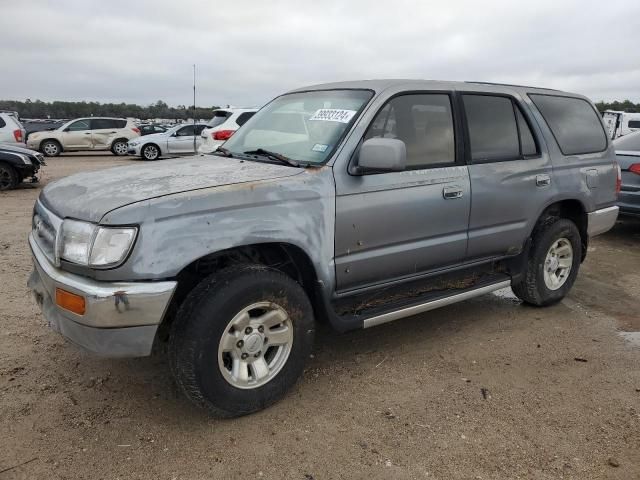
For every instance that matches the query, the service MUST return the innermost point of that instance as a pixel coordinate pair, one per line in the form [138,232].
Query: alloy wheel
[558,263]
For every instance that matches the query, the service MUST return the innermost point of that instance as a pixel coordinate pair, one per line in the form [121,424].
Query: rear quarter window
[574,123]
[2,123]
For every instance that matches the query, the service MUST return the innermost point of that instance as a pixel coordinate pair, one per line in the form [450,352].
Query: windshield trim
[348,128]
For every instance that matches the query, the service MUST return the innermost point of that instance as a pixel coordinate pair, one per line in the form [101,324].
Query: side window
[2,123]
[79,125]
[424,122]
[527,142]
[634,123]
[493,133]
[101,124]
[199,129]
[119,123]
[243,117]
[185,131]
[574,123]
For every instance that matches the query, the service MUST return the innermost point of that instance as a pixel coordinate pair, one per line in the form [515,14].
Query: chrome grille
[45,226]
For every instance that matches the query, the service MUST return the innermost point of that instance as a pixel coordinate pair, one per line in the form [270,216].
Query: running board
[433,304]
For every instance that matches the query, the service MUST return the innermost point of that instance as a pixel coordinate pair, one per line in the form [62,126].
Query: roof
[413,84]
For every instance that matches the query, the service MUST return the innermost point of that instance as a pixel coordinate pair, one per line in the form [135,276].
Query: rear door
[401,224]
[103,132]
[77,136]
[511,176]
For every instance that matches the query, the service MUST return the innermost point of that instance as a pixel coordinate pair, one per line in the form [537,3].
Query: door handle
[449,193]
[543,180]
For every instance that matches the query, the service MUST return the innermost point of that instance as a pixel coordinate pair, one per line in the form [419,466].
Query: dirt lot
[484,389]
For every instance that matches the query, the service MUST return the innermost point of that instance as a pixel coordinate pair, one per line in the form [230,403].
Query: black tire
[51,148]
[202,320]
[532,288]
[119,147]
[150,152]
[9,178]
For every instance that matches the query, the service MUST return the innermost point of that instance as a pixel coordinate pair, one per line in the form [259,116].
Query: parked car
[18,164]
[151,129]
[224,123]
[178,140]
[85,134]
[11,130]
[479,187]
[620,123]
[628,157]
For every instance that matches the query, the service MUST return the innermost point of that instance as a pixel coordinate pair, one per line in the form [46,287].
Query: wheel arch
[282,256]
[571,209]
[51,139]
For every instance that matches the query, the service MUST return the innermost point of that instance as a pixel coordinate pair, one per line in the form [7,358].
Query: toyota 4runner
[354,203]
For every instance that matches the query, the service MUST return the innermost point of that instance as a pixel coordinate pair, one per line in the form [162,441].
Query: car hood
[157,137]
[90,195]
[11,148]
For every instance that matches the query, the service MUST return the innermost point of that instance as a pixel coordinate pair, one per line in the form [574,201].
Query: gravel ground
[484,389]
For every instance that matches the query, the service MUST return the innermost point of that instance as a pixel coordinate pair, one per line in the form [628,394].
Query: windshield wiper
[223,151]
[273,156]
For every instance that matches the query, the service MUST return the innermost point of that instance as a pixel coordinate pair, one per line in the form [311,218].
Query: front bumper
[120,319]
[601,221]
[133,149]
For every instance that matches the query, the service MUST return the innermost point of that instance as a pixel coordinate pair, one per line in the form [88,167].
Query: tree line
[55,110]
[626,106]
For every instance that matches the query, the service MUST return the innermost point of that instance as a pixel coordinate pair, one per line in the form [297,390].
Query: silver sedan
[178,140]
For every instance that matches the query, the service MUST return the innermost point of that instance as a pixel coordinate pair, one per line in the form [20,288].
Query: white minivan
[620,123]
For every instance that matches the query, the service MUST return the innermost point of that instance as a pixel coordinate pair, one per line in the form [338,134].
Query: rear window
[219,117]
[243,117]
[634,123]
[574,123]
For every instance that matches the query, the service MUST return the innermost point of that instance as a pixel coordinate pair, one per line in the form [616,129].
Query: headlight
[111,245]
[88,244]
[25,159]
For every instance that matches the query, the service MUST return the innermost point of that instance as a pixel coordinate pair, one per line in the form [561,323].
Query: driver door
[182,140]
[77,136]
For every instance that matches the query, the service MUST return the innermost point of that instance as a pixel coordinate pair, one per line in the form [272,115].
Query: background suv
[224,123]
[11,130]
[96,133]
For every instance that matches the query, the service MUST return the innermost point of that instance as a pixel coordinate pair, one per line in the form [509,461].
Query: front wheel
[552,267]
[150,152]
[8,177]
[240,340]
[51,148]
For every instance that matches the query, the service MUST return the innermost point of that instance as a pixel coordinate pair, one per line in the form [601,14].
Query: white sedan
[178,140]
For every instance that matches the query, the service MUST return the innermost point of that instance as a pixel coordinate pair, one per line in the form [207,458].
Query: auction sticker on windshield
[333,115]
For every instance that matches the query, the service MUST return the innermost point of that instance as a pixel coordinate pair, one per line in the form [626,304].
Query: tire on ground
[9,178]
[532,288]
[117,147]
[50,148]
[202,320]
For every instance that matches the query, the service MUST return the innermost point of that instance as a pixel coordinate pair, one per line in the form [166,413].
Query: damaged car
[353,203]
[18,164]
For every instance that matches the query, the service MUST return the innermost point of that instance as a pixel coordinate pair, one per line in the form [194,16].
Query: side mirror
[382,155]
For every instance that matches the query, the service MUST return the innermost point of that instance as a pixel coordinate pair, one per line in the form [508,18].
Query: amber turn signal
[70,301]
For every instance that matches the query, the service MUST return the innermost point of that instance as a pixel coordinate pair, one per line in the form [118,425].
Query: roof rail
[511,85]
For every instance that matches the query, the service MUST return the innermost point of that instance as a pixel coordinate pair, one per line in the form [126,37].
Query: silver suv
[85,134]
[352,203]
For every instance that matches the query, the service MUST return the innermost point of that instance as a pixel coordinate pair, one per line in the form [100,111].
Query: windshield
[305,126]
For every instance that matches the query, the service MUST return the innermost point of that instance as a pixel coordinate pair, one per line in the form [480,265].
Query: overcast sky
[247,52]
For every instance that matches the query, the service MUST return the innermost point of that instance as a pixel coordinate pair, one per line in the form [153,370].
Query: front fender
[181,228]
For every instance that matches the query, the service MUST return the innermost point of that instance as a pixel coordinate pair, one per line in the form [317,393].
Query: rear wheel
[552,267]
[8,177]
[240,340]
[50,148]
[150,152]
[119,147]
